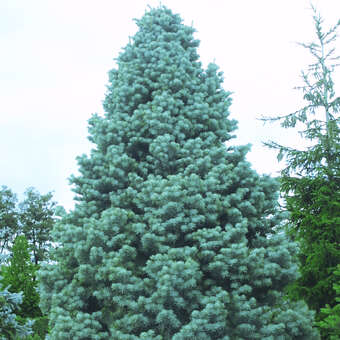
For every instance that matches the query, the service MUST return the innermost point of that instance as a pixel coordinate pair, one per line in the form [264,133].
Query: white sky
[55,55]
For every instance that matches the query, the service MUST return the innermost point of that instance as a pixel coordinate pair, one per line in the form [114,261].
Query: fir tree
[310,182]
[174,236]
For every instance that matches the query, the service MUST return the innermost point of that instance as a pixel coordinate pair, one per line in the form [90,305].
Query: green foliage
[8,218]
[9,325]
[315,210]
[32,337]
[331,316]
[39,328]
[174,235]
[34,217]
[20,276]
[310,182]
[37,219]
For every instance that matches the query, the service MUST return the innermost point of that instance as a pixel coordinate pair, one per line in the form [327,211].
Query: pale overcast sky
[55,56]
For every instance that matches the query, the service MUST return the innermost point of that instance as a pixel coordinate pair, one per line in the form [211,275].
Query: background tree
[19,274]
[310,182]
[8,218]
[10,328]
[32,218]
[37,217]
[173,236]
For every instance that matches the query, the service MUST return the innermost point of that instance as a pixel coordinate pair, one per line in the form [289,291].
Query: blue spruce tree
[174,236]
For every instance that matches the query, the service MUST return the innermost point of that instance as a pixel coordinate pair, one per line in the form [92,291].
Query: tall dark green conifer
[310,181]
[173,236]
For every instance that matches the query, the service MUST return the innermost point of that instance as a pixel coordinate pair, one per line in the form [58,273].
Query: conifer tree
[10,328]
[174,236]
[310,182]
[330,320]
[19,274]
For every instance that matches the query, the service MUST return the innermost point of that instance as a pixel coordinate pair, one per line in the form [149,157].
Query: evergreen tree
[331,316]
[10,328]
[19,274]
[174,236]
[310,181]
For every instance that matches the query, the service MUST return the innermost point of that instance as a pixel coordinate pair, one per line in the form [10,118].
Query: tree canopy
[8,218]
[33,217]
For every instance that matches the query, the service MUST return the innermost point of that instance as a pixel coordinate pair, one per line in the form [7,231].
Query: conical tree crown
[173,236]
[157,100]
